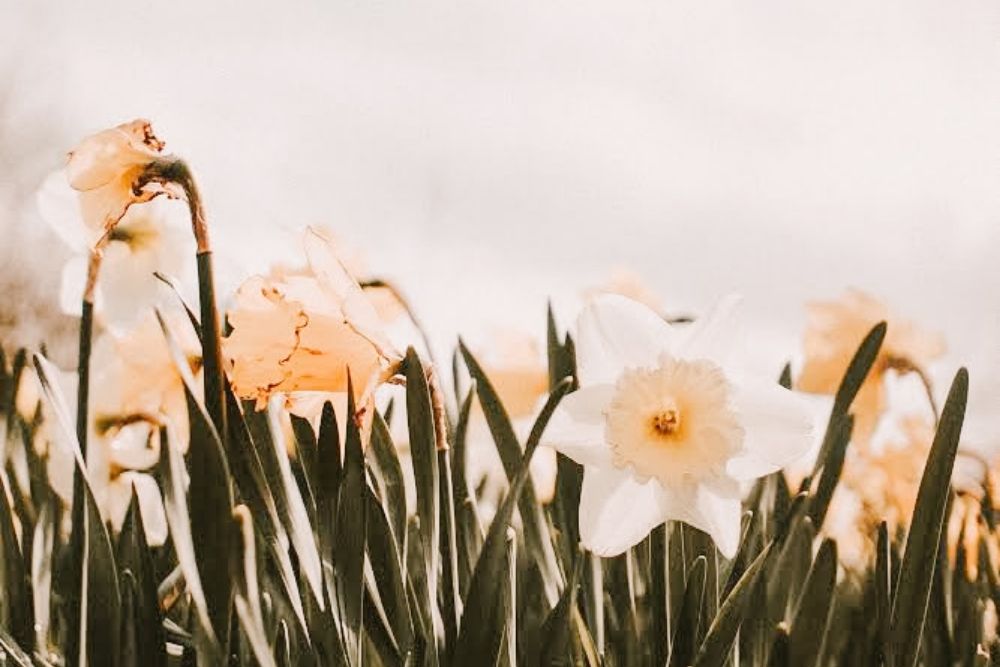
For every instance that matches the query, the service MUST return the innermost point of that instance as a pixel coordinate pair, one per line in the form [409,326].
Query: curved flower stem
[175,172]
[903,365]
[77,543]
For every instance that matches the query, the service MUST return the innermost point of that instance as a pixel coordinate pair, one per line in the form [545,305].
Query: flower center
[673,421]
[666,422]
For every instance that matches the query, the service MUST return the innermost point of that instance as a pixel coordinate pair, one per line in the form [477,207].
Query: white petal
[617,511]
[74,276]
[779,428]
[614,333]
[714,334]
[715,514]
[154,519]
[577,426]
[59,205]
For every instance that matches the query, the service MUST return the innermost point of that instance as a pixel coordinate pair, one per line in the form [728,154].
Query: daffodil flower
[150,238]
[302,332]
[834,331]
[668,424]
[107,168]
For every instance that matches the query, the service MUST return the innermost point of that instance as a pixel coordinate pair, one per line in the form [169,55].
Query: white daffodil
[667,425]
[151,237]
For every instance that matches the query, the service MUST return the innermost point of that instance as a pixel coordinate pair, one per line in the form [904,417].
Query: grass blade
[909,609]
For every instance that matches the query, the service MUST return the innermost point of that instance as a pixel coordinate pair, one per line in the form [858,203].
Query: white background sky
[489,155]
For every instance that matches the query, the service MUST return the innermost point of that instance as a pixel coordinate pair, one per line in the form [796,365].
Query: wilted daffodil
[107,168]
[834,331]
[153,237]
[667,424]
[302,332]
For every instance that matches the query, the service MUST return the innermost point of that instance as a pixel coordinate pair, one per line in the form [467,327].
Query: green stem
[174,171]
[74,592]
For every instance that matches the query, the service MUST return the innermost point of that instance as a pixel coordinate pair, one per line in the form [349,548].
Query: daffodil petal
[718,515]
[59,206]
[150,504]
[616,510]
[714,334]
[74,276]
[779,428]
[577,426]
[614,333]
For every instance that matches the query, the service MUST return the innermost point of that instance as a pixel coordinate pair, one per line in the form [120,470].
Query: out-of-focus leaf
[423,446]
[209,493]
[17,656]
[247,590]
[856,373]
[249,475]
[715,648]
[171,282]
[469,530]
[536,534]
[508,598]
[391,485]
[41,567]
[388,577]
[143,620]
[128,648]
[481,631]
[909,607]
[449,595]
[17,601]
[175,508]
[883,592]
[683,644]
[810,620]
[779,649]
[306,451]
[835,442]
[330,473]
[793,563]
[557,645]
[287,498]
[349,548]
[100,603]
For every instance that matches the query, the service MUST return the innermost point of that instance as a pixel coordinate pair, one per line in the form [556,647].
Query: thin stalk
[77,542]
[902,365]
[176,171]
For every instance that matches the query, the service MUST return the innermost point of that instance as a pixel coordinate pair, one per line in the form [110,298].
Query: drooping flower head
[106,168]
[668,423]
[302,332]
[151,237]
[834,331]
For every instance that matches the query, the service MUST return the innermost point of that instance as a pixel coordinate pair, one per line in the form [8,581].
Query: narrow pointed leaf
[909,609]
[811,617]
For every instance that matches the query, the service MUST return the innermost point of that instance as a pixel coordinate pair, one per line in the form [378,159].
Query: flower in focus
[150,238]
[106,169]
[303,332]
[834,331]
[667,425]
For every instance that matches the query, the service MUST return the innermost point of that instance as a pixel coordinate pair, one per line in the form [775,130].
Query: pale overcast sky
[490,155]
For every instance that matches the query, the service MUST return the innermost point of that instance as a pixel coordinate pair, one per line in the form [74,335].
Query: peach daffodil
[106,168]
[304,332]
[834,331]
[668,422]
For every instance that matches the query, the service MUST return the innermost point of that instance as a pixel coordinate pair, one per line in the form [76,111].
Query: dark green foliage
[312,558]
